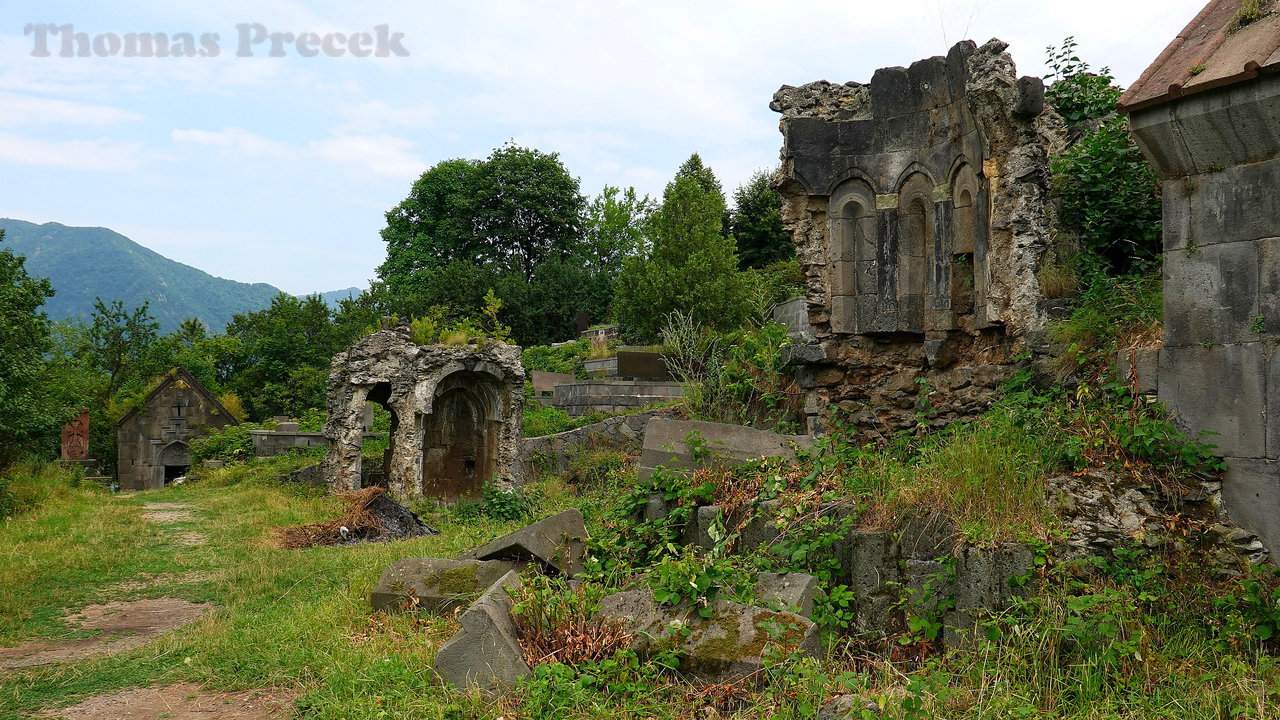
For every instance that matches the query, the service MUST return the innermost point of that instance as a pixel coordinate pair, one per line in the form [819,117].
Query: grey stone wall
[1218,153]
[919,206]
[553,452]
[610,396]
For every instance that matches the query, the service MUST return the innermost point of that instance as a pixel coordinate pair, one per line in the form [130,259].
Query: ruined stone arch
[455,414]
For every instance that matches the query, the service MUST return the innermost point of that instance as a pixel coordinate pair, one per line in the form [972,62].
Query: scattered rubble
[557,544]
[729,645]
[486,654]
[435,585]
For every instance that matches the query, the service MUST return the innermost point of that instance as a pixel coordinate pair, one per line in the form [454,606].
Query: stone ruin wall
[919,206]
[456,415]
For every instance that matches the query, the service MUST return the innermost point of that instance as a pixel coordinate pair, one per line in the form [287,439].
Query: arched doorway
[460,436]
[175,460]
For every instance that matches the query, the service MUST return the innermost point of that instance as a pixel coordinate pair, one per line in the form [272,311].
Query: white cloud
[376,115]
[21,109]
[236,141]
[101,154]
[383,156]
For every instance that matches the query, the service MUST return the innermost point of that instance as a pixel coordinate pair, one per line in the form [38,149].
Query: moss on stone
[459,580]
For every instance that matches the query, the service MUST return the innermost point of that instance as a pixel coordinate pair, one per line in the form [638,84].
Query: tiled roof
[1209,53]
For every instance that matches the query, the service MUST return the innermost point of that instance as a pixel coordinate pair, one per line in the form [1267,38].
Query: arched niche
[853,237]
[460,435]
[380,394]
[967,240]
[915,248]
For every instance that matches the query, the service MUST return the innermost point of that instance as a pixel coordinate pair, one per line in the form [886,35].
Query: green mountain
[84,263]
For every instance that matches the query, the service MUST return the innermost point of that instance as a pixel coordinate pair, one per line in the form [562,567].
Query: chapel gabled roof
[1214,50]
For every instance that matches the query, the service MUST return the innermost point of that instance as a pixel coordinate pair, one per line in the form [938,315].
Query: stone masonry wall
[919,206]
[1218,152]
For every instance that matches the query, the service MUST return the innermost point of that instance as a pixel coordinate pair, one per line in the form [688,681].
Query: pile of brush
[371,516]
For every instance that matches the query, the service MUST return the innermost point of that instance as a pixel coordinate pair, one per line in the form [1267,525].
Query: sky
[278,164]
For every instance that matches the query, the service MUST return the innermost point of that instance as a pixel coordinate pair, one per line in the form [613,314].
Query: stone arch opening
[380,394]
[175,460]
[460,436]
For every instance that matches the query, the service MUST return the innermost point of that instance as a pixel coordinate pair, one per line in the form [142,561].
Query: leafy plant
[503,502]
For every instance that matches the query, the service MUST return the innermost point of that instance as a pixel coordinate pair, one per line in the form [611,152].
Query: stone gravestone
[544,383]
[75,438]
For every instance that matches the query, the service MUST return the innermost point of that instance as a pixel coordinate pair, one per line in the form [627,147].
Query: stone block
[435,585]
[728,646]
[874,576]
[926,583]
[1251,496]
[665,444]
[698,530]
[1211,295]
[1030,97]
[556,543]
[761,529]
[982,585]
[794,591]
[797,354]
[486,653]
[1139,368]
[546,382]
[1219,389]
[642,364]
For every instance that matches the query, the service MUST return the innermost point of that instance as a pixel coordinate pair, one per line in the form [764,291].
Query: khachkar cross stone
[75,438]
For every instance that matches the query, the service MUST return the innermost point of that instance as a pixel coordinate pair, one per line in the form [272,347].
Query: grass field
[1140,638]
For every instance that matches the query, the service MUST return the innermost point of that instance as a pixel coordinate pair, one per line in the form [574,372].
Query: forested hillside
[84,263]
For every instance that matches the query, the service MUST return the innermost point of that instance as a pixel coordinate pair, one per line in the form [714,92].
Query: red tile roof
[1221,55]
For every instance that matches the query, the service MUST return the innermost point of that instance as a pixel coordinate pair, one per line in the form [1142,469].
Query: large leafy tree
[24,339]
[756,224]
[691,265]
[511,211]
[119,344]
[283,356]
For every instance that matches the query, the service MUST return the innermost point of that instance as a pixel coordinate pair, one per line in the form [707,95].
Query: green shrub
[565,358]
[25,486]
[539,421]
[230,444]
[502,502]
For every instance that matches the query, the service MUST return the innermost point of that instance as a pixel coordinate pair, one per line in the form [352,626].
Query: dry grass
[358,520]
[559,624]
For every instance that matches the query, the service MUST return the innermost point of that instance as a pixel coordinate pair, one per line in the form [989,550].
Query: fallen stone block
[434,584]
[728,646]
[665,445]
[557,544]
[797,591]
[486,653]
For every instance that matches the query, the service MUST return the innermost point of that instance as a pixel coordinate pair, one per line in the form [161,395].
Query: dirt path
[121,625]
[183,701]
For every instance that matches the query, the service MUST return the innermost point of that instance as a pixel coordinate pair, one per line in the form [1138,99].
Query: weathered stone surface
[919,206]
[727,646]
[849,707]
[665,444]
[556,543]
[544,383]
[75,438]
[589,396]
[553,452]
[486,653]
[434,584]
[455,409]
[1139,368]
[794,591]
